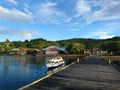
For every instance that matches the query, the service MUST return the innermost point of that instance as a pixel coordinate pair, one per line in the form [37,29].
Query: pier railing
[112,59]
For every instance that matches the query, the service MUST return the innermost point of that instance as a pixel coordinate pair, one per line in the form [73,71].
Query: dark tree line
[75,45]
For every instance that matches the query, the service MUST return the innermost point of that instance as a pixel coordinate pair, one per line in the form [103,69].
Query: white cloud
[68,20]
[100,35]
[75,29]
[105,36]
[14,15]
[97,10]
[114,25]
[17,33]
[110,11]
[26,5]
[48,13]
[82,8]
[12,2]
[26,9]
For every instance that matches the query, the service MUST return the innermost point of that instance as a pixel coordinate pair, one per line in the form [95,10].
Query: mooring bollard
[78,60]
[109,62]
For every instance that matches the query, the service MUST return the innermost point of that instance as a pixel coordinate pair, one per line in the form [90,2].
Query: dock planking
[91,73]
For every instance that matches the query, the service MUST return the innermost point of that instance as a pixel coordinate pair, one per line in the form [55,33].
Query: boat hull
[53,67]
[53,63]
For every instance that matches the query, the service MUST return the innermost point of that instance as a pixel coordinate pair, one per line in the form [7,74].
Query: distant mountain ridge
[41,43]
[117,38]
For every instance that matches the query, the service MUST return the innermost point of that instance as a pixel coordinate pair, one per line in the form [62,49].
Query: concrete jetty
[91,73]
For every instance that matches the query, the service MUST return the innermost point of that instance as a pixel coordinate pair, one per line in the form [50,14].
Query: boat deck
[92,73]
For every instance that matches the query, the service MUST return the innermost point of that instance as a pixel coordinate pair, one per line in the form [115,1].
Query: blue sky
[59,19]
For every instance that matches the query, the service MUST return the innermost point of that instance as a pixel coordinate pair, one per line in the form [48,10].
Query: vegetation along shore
[71,46]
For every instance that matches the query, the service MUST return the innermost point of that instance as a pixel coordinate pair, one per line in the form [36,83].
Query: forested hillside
[73,45]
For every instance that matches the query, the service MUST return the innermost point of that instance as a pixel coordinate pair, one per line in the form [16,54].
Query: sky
[59,19]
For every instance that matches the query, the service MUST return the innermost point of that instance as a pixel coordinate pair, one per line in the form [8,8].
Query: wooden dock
[91,73]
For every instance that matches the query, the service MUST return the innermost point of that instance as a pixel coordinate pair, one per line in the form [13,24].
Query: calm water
[17,71]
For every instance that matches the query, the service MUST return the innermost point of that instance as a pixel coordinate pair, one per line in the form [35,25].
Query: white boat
[55,62]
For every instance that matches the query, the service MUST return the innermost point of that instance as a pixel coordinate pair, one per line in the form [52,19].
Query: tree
[5,46]
[111,46]
[1,48]
[75,48]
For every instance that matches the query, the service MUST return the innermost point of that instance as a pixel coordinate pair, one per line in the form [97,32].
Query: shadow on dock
[93,61]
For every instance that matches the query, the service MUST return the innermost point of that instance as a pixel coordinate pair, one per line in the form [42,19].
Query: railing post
[78,60]
[109,62]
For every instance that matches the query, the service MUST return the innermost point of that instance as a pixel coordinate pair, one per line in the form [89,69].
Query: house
[22,51]
[97,51]
[87,52]
[104,53]
[52,50]
[13,51]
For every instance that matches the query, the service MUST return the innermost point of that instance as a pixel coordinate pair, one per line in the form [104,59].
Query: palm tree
[6,45]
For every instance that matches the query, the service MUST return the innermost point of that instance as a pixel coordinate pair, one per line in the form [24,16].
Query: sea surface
[18,71]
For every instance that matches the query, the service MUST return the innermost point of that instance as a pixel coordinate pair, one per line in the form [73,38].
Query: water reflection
[17,71]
